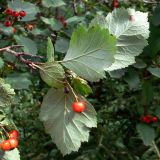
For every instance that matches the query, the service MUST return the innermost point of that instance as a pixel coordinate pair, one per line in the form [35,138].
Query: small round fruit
[30,27]
[154,119]
[148,121]
[9,11]
[115,4]
[13,142]
[13,134]
[144,119]
[79,107]
[7,23]
[15,14]
[22,13]
[5,145]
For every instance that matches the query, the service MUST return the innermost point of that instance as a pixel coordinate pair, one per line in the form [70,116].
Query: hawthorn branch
[19,55]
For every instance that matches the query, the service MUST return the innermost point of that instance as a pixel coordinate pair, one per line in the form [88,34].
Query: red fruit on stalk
[9,11]
[7,23]
[13,134]
[13,142]
[144,119]
[22,13]
[78,107]
[154,119]
[148,121]
[5,145]
[15,14]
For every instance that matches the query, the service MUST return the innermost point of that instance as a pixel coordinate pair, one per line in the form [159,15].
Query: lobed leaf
[90,52]
[131,34]
[67,128]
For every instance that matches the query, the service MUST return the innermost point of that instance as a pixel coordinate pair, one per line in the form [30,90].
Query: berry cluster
[79,107]
[12,16]
[62,20]
[148,119]
[10,143]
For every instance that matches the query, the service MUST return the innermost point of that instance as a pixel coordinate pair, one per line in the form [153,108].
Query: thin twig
[4,130]
[76,97]
[156,149]
[19,55]
[74,7]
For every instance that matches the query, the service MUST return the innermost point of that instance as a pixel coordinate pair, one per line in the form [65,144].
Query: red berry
[78,107]
[115,4]
[154,119]
[5,145]
[7,23]
[13,134]
[13,142]
[15,14]
[148,121]
[14,30]
[22,13]
[144,119]
[9,11]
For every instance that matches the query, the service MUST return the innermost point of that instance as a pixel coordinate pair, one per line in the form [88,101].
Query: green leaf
[7,94]
[156,16]
[157,111]
[147,133]
[8,31]
[140,64]
[19,80]
[62,45]
[52,73]
[90,52]
[54,24]
[10,155]
[132,78]
[19,5]
[117,73]
[131,35]
[50,50]
[29,45]
[81,86]
[154,71]
[66,127]
[1,63]
[52,3]
[147,92]
[75,19]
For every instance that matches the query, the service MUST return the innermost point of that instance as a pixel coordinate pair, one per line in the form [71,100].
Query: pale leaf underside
[67,128]
[131,35]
